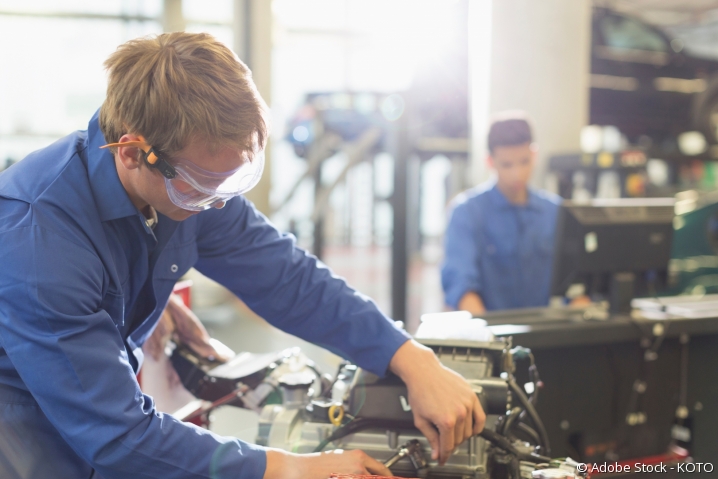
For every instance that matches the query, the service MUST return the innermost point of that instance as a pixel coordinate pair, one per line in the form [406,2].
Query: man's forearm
[408,356]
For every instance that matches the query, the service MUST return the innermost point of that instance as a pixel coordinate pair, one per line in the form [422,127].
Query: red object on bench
[183,289]
[361,476]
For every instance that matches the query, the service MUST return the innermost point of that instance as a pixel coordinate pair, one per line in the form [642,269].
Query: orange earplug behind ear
[141,144]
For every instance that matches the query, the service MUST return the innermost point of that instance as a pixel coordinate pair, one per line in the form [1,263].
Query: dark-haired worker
[499,240]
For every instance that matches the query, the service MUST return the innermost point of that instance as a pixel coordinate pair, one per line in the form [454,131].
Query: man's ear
[490,161]
[129,156]
[534,151]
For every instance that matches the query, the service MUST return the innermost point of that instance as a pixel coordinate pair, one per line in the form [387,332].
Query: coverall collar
[498,198]
[112,200]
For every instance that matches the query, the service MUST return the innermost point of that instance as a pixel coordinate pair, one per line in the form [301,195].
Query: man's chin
[517,188]
[180,214]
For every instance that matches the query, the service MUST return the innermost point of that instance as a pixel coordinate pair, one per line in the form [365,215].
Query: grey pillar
[540,63]
[253,44]
[172,17]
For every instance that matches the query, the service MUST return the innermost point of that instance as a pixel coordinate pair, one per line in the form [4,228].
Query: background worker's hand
[445,408]
[178,322]
[580,301]
[286,465]
[472,303]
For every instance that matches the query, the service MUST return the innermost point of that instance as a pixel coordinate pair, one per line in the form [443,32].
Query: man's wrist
[410,359]
[278,465]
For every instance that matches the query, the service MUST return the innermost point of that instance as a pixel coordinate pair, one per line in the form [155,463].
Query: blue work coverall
[83,281]
[502,251]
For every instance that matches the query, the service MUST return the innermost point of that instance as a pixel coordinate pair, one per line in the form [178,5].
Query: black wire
[515,468]
[529,431]
[340,432]
[509,422]
[359,424]
[513,421]
[531,411]
[503,443]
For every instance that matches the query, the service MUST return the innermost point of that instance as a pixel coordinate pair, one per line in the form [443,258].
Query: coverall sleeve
[70,355]
[291,289]
[460,272]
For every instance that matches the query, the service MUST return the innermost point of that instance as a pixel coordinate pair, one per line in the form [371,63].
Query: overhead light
[596,138]
[613,82]
[658,172]
[591,139]
[611,139]
[680,85]
[692,143]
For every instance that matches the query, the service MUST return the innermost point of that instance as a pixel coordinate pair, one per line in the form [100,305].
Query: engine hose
[502,443]
[349,428]
[531,411]
[515,468]
[356,425]
[529,431]
[509,420]
[513,421]
[496,439]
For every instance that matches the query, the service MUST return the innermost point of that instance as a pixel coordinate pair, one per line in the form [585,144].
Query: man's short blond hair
[180,87]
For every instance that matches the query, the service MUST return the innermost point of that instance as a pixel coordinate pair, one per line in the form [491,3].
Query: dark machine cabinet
[591,371]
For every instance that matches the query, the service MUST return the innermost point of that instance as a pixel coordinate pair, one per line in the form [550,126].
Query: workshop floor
[366,269]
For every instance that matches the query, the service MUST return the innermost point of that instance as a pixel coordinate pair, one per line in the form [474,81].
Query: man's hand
[285,465]
[179,322]
[472,303]
[445,408]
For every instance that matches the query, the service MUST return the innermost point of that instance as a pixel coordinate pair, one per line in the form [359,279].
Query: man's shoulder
[472,197]
[547,200]
[49,188]
[30,178]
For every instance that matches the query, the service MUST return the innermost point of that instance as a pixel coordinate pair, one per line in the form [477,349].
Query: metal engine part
[383,407]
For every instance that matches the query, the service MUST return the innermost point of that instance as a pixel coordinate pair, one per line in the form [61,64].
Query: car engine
[303,410]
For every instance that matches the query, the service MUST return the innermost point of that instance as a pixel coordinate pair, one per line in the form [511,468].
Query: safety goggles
[193,188]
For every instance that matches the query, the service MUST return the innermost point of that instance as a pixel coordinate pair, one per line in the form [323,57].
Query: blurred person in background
[499,241]
[95,231]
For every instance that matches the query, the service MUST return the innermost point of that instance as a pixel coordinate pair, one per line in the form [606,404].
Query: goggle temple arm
[167,170]
[153,158]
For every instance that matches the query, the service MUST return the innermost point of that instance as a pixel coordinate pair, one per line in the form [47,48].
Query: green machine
[694,261]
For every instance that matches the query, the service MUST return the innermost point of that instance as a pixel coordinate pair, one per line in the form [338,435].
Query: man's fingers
[446,439]
[462,418]
[202,348]
[155,344]
[375,467]
[429,431]
[468,426]
[152,347]
[479,417]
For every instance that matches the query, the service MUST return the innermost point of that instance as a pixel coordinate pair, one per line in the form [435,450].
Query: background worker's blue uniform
[501,251]
[83,281]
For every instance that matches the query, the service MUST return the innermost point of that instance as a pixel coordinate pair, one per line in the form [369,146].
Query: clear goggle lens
[197,189]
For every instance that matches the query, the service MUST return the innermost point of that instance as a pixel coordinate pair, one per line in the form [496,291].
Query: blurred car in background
[644,83]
